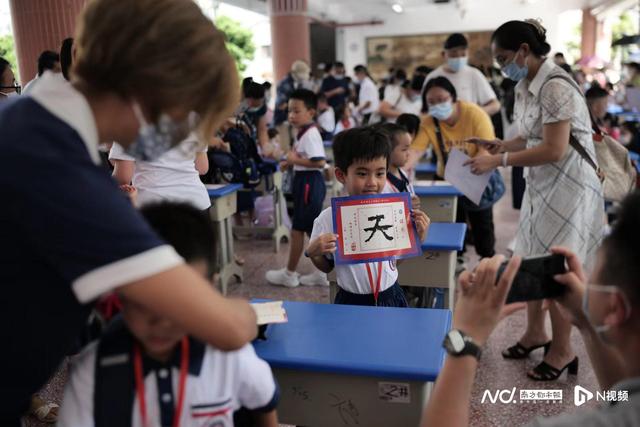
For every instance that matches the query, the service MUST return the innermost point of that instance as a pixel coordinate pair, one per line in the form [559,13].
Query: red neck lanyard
[375,290]
[184,368]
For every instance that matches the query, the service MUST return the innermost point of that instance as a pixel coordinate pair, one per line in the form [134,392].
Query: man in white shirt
[368,96]
[469,82]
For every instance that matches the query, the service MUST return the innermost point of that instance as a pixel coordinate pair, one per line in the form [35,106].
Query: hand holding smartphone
[534,280]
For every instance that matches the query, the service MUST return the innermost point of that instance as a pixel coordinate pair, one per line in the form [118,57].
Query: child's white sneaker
[283,277]
[317,278]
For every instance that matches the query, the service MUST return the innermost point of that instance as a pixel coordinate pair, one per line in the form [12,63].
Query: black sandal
[546,372]
[519,351]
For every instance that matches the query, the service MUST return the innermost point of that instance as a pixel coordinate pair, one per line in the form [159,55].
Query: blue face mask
[156,139]
[515,72]
[456,64]
[441,111]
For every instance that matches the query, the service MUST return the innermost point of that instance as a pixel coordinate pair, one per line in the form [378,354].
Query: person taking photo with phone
[604,308]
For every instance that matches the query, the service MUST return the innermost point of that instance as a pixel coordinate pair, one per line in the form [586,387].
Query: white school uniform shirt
[369,92]
[394,96]
[173,176]
[340,127]
[226,381]
[469,82]
[354,278]
[327,120]
[390,188]
[308,144]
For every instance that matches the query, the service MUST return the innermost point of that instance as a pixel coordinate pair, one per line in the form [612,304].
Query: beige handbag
[614,168]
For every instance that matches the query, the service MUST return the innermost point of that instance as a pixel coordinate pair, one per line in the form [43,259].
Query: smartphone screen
[534,280]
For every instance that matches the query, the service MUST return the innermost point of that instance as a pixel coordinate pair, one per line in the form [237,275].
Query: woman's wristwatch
[458,344]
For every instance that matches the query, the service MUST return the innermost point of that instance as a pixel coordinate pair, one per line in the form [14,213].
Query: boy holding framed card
[361,158]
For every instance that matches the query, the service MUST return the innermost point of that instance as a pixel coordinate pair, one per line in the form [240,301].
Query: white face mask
[600,329]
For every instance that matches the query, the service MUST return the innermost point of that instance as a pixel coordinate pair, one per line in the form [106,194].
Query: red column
[289,34]
[589,33]
[41,25]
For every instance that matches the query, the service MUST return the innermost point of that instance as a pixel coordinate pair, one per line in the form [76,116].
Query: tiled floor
[494,372]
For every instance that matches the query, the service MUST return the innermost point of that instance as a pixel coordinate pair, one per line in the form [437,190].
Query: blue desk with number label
[223,206]
[342,365]
[435,268]
[438,199]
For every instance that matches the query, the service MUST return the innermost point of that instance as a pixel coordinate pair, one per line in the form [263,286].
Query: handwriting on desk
[346,409]
[301,393]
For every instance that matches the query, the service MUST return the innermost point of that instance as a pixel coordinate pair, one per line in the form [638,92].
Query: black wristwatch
[458,344]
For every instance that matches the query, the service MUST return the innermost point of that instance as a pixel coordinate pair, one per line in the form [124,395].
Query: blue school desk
[223,206]
[340,365]
[271,184]
[426,170]
[435,268]
[438,199]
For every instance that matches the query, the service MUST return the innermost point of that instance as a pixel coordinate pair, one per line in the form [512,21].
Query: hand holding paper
[458,173]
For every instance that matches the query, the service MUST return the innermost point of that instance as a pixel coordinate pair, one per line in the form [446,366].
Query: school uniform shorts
[309,192]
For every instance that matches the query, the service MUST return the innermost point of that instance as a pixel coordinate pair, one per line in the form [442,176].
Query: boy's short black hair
[456,40]
[360,144]
[184,227]
[393,130]
[308,98]
[272,132]
[596,92]
[620,248]
[410,122]
[47,61]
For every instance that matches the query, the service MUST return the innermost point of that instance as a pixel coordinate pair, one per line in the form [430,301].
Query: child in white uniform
[361,157]
[146,371]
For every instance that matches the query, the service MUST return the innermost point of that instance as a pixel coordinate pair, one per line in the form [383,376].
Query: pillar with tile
[289,34]
[41,25]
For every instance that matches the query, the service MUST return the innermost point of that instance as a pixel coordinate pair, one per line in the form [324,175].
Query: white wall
[433,19]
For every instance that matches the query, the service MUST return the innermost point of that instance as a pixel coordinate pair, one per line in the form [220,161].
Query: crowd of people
[122,151]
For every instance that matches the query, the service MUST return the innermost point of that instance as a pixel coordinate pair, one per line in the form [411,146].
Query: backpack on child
[243,164]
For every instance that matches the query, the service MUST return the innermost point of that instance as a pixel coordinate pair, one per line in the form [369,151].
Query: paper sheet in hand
[269,312]
[461,177]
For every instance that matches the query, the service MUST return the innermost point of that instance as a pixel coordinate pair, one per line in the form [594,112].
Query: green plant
[8,52]
[239,41]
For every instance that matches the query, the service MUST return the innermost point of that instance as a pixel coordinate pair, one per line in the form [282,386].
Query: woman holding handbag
[563,203]
[449,122]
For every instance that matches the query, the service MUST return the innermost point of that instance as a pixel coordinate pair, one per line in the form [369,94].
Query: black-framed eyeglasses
[17,88]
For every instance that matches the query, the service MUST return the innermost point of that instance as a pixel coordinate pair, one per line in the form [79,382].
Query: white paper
[358,239]
[461,177]
[430,183]
[269,312]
